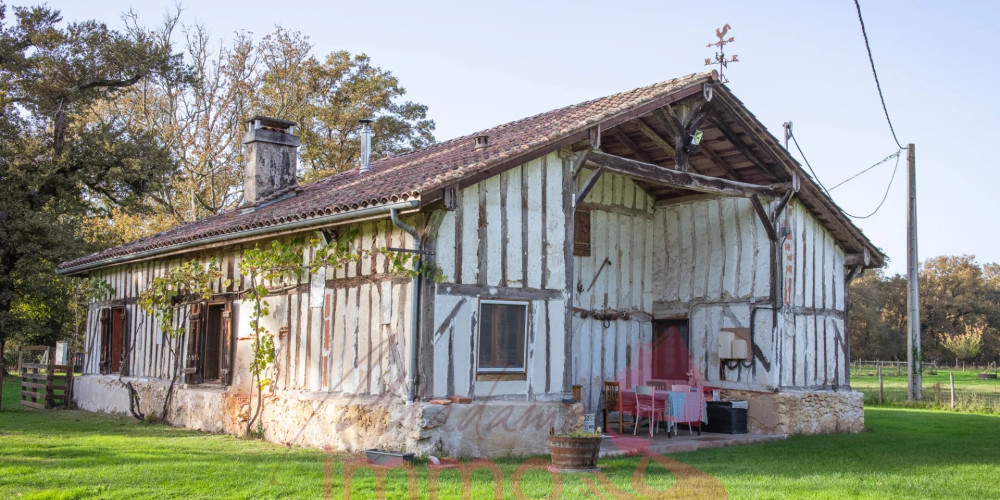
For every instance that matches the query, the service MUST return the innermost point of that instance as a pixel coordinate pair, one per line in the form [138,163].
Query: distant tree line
[959,312]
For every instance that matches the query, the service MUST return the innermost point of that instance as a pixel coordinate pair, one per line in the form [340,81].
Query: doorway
[671,356]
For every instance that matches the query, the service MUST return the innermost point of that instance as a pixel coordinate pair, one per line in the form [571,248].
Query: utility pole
[914,377]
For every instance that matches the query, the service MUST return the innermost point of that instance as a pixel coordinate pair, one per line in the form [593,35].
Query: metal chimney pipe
[366,144]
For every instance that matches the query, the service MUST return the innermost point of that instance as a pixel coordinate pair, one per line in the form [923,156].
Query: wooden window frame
[582,225]
[505,373]
[196,340]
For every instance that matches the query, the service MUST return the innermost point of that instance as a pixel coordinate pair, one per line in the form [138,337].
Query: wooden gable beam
[588,185]
[764,218]
[673,178]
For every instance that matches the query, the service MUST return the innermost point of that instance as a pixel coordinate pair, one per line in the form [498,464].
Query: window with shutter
[195,345]
[503,327]
[115,346]
[104,348]
[210,356]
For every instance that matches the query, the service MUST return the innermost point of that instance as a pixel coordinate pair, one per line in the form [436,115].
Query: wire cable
[813,172]
[851,178]
[827,191]
[875,74]
[884,197]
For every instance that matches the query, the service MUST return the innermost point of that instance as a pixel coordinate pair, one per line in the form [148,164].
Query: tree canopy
[959,316]
[108,135]
[202,120]
[58,168]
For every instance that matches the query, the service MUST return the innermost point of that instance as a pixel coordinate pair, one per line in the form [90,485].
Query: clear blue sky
[477,65]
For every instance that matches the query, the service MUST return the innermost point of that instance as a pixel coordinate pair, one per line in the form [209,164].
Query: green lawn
[72,454]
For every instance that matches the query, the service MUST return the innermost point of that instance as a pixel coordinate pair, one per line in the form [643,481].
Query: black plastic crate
[723,418]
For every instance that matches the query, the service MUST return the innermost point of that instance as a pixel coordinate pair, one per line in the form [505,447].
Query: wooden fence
[44,384]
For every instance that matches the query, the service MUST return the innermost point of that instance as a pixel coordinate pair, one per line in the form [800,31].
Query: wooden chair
[645,405]
[613,403]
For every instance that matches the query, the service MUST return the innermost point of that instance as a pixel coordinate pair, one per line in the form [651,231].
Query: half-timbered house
[656,233]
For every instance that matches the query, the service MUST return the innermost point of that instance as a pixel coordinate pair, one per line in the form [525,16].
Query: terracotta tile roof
[399,178]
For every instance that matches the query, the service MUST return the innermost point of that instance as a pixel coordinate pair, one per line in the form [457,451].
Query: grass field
[971,393]
[72,454]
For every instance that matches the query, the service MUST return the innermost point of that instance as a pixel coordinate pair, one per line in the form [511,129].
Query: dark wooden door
[671,357]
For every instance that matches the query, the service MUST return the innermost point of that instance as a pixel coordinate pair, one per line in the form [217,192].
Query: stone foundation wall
[802,412]
[320,420]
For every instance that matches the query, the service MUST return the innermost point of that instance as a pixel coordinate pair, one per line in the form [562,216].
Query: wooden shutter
[195,344]
[226,344]
[105,348]
[581,233]
[126,339]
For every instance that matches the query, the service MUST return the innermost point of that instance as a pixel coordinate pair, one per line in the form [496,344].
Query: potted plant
[575,451]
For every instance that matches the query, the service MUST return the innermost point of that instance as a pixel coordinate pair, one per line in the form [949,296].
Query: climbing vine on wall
[167,300]
[266,267]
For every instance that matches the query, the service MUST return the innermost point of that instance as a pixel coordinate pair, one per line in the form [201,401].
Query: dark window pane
[501,336]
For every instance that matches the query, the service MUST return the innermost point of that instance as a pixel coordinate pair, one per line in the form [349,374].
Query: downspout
[411,375]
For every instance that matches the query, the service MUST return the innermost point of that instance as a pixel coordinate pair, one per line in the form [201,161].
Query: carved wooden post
[686,120]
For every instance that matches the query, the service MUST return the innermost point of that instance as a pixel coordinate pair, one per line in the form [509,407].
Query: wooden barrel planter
[574,453]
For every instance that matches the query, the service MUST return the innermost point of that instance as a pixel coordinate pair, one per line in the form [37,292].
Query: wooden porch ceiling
[725,153]
[735,147]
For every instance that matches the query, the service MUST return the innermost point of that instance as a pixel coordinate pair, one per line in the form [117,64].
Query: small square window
[503,326]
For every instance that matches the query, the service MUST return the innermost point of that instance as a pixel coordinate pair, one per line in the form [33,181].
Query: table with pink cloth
[682,407]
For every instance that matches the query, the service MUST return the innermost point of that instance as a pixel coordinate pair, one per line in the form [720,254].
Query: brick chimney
[272,155]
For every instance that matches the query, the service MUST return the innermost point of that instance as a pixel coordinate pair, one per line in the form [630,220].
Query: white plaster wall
[506,236]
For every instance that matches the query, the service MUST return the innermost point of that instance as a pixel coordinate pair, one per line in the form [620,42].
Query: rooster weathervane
[720,56]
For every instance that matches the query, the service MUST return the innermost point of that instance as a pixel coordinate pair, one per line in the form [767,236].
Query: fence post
[880,400]
[951,377]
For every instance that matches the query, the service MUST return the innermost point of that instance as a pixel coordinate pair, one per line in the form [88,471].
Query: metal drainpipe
[411,376]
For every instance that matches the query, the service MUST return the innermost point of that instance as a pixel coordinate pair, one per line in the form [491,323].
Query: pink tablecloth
[682,407]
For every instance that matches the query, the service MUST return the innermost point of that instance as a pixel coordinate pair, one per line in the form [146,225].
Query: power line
[875,73]
[884,197]
[851,178]
[813,172]
[827,191]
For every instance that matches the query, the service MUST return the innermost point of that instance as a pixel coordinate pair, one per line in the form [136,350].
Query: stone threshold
[626,444]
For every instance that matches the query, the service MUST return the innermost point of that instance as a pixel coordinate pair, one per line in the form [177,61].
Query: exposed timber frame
[673,178]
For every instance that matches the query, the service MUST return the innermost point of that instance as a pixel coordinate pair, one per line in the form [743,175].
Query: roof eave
[195,244]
